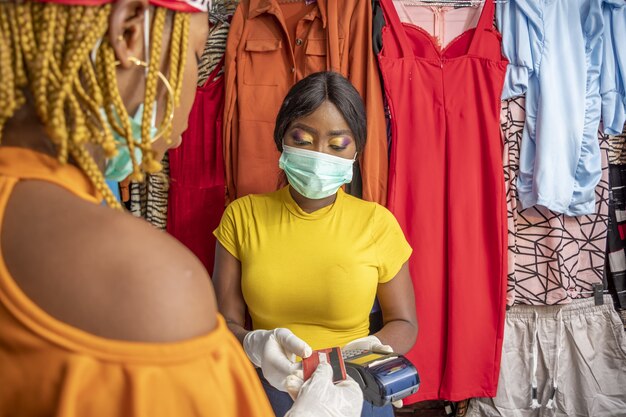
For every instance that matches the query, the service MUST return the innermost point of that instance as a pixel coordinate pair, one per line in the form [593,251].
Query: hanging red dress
[446,188]
[197,181]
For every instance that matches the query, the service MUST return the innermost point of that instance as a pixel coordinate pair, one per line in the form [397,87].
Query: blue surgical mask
[121,166]
[315,175]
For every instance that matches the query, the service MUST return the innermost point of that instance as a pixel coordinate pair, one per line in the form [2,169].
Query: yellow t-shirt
[315,274]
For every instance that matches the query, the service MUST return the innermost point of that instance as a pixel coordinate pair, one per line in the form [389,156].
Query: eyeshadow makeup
[339,141]
[300,135]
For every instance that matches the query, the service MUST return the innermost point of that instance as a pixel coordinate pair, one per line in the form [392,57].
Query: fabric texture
[148,199]
[613,74]
[616,247]
[70,372]
[444,23]
[553,258]
[560,162]
[326,264]
[446,189]
[197,185]
[579,354]
[327,35]
[617,150]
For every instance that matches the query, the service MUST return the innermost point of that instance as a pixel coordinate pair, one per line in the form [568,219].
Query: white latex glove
[275,351]
[319,397]
[368,343]
[375,345]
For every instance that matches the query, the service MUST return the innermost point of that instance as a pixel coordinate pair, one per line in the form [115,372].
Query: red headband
[188,6]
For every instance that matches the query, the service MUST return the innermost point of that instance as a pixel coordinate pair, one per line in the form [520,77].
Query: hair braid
[45,48]
[116,111]
[9,97]
[149,164]
[174,63]
[44,55]
[19,68]
[59,33]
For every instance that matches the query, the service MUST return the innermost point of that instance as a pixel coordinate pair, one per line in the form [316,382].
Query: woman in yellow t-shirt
[101,315]
[309,257]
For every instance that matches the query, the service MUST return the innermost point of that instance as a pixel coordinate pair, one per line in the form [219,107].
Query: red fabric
[446,188]
[197,185]
[190,6]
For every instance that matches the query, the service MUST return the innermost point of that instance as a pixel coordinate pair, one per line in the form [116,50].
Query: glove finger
[292,343]
[382,349]
[323,372]
[397,404]
[364,343]
[275,360]
[351,389]
[293,384]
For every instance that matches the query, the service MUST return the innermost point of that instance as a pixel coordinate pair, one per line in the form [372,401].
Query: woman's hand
[320,397]
[275,351]
[368,343]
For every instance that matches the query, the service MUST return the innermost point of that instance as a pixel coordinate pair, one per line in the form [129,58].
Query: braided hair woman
[99,313]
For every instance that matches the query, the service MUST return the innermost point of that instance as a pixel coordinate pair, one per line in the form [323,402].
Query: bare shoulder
[103,271]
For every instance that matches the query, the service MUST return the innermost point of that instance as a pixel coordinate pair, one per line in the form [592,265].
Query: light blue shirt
[613,74]
[555,49]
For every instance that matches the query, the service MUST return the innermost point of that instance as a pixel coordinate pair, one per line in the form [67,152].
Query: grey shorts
[567,360]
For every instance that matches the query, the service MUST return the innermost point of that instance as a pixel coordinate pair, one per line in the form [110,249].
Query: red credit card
[331,356]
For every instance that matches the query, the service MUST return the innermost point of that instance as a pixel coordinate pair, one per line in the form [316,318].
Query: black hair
[310,92]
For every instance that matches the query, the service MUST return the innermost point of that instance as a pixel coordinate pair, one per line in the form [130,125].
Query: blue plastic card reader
[383,377]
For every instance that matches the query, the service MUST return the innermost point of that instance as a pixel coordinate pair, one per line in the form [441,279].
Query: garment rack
[448,3]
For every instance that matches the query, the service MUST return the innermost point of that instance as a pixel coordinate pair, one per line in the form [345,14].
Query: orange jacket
[262,64]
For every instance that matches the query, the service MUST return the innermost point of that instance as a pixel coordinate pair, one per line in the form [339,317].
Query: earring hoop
[167,122]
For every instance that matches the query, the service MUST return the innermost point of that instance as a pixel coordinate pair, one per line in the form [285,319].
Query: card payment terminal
[383,377]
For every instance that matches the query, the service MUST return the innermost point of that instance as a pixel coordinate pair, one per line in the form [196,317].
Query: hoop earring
[167,122]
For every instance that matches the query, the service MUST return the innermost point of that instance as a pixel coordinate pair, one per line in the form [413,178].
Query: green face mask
[121,166]
[315,175]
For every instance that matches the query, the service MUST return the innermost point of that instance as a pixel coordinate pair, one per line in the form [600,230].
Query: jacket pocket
[316,51]
[260,56]
[315,56]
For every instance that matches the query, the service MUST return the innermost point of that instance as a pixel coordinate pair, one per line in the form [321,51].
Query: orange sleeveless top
[50,368]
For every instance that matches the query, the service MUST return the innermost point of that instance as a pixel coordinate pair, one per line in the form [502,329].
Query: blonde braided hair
[45,50]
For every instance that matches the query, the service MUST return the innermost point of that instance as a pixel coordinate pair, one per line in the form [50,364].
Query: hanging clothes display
[148,199]
[197,182]
[616,246]
[271,46]
[446,189]
[444,23]
[560,159]
[553,258]
[197,186]
[560,361]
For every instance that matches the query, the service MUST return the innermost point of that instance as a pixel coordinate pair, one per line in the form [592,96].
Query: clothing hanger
[598,293]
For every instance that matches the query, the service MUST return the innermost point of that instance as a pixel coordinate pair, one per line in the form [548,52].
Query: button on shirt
[262,64]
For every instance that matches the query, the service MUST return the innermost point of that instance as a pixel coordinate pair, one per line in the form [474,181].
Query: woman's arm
[227,283]
[397,302]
